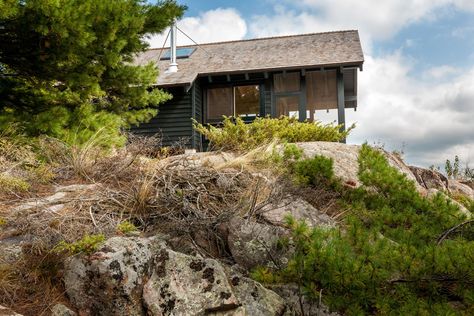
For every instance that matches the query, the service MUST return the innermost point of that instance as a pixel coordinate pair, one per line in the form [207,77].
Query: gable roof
[264,54]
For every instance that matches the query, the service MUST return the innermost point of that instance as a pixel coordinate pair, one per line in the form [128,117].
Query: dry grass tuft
[174,196]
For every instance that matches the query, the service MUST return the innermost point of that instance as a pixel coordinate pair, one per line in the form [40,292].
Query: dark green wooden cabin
[296,75]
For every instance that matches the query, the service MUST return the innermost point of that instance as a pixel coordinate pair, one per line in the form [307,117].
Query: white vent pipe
[173,64]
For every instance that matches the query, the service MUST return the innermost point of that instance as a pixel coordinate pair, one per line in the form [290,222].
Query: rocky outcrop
[138,276]
[276,212]
[182,284]
[57,201]
[110,282]
[459,188]
[430,179]
[254,244]
[345,161]
[255,299]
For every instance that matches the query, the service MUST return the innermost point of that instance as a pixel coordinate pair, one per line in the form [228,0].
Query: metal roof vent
[173,67]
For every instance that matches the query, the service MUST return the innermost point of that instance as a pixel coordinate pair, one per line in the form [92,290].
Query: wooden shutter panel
[219,103]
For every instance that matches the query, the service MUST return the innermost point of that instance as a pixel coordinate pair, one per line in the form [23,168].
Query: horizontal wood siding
[173,121]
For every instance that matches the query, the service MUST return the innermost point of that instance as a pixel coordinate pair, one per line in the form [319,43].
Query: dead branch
[445,234]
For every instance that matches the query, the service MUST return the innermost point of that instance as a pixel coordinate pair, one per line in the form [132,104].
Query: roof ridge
[259,38]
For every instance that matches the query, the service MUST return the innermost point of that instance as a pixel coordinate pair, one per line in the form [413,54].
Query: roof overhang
[351,65]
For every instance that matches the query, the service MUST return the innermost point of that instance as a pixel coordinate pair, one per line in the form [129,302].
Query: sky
[416,90]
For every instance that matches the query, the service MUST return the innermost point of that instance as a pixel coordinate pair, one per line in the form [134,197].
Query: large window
[243,101]
[247,100]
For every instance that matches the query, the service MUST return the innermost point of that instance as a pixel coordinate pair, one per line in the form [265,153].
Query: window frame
[232,85]
[301,94]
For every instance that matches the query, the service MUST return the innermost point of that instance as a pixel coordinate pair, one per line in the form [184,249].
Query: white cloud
[434,120]
[375,19]
[441,72]
[211,26]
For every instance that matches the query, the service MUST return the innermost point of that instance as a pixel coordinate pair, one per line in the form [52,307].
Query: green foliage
[464,200]
[265,275]
[12,184]
[87,244]
[66,67]
[291,152]
[237,135]
[126,228]
[314,171]
[386,259]
[3,221]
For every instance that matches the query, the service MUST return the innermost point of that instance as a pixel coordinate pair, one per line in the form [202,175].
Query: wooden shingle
[341,48]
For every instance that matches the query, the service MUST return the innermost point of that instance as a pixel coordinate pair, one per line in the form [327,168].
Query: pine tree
[65,65]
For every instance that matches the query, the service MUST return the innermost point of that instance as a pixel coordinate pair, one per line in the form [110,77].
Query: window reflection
[247,100]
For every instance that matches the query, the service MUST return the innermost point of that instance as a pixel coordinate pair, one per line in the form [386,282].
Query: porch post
[193,114]
[341,116]
[302,103]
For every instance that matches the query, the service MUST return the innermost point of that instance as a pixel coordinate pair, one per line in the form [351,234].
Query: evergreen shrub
[236,135]
[387,257]
[87,244]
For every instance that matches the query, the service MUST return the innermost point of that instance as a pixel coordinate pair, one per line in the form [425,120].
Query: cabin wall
[173,122]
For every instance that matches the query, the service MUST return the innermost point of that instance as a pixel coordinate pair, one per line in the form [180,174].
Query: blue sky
[416,92]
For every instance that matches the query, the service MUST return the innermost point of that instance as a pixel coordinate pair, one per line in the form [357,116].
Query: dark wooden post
[302,103]
[193,114]
[341,115]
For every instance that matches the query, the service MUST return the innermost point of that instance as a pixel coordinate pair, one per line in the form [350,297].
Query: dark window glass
[219,103]
[247,100]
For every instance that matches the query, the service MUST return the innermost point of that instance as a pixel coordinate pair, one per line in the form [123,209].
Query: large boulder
[459,188]
[255,299]
[254,244]
[110,282]
[142,276]
[186,285]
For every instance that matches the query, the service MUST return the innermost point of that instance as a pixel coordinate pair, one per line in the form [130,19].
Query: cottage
[295,75]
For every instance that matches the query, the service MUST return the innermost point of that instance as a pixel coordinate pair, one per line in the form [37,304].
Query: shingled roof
[339,48]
